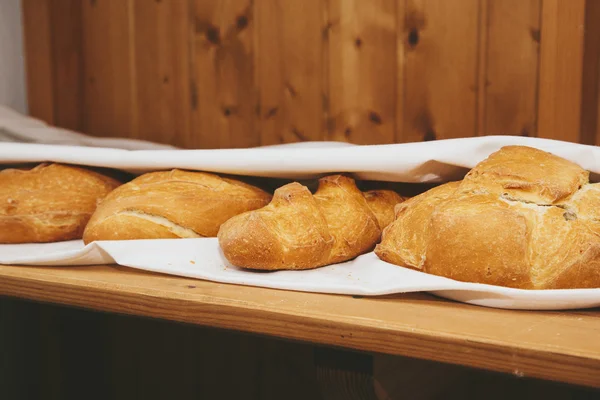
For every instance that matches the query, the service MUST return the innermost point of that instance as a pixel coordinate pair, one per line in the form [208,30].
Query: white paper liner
[366,275]
[436,161]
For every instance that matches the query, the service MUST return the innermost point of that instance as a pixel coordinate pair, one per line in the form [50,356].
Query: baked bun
[172,204]
[49,202]
[299,230]
[523,218]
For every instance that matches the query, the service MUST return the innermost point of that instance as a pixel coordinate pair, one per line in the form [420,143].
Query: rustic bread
[49,202]
[523,218]
[172,204]
[299,230]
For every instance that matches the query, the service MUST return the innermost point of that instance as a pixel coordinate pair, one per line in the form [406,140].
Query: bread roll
[49,203]
[299,230]
[172,204]
[523,218]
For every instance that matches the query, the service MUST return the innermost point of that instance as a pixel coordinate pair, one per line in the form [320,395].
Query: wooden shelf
[561,346]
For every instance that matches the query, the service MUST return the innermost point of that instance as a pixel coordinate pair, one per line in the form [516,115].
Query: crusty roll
[299,230]
[172,204]
[49,202]
[523,218]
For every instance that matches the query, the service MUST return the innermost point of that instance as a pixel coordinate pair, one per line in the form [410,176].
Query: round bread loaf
[49,203]
[522,218]
[172,204]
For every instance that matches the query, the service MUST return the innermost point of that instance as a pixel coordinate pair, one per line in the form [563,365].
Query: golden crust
[382,203]
[404,240]
[172,204]
[49,203]
[299,230]
[522,218]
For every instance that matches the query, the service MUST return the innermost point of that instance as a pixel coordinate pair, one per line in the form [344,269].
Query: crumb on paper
[192,262]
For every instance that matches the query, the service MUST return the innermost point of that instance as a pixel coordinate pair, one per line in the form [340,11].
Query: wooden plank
[590,96]
[362,71]
[37,41]
[224,93]
[441,42]
[400,76]
[162,33]
[110,82]
[511,60]
[561,59]
[557,345]
[482,72]
[67,62]
[289,61]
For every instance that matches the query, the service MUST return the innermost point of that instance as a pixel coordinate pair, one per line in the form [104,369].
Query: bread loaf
[299,230]
[172,204]
[522,218]
[49,203]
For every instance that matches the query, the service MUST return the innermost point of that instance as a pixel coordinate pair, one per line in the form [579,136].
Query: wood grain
[362,71]
[37,39]
[289,59]
[162,46]
[551,345]
[441,78]
[224,93]
[238,73]
[561,58]
[590,96]
[67,63]
[509,87]
[400,77]
[110,107]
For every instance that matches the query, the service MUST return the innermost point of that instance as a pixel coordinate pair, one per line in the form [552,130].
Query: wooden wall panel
[67,63]
[239,73]
[291,50]
[38,56]
[162,39]
[224,89]
[512,32]
[590,101]
[109,60]
[561,60]
[362,71]
[441,70]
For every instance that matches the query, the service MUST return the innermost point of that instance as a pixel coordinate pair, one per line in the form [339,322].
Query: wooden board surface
[509,67]
[38,57]
[362,48]
[561,68]
[224,93]
[110,106]
[441,70]
[161,43]
[551,345]
[239,73]
[289,59]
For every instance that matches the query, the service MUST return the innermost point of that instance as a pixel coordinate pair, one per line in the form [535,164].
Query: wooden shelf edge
[479,354]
